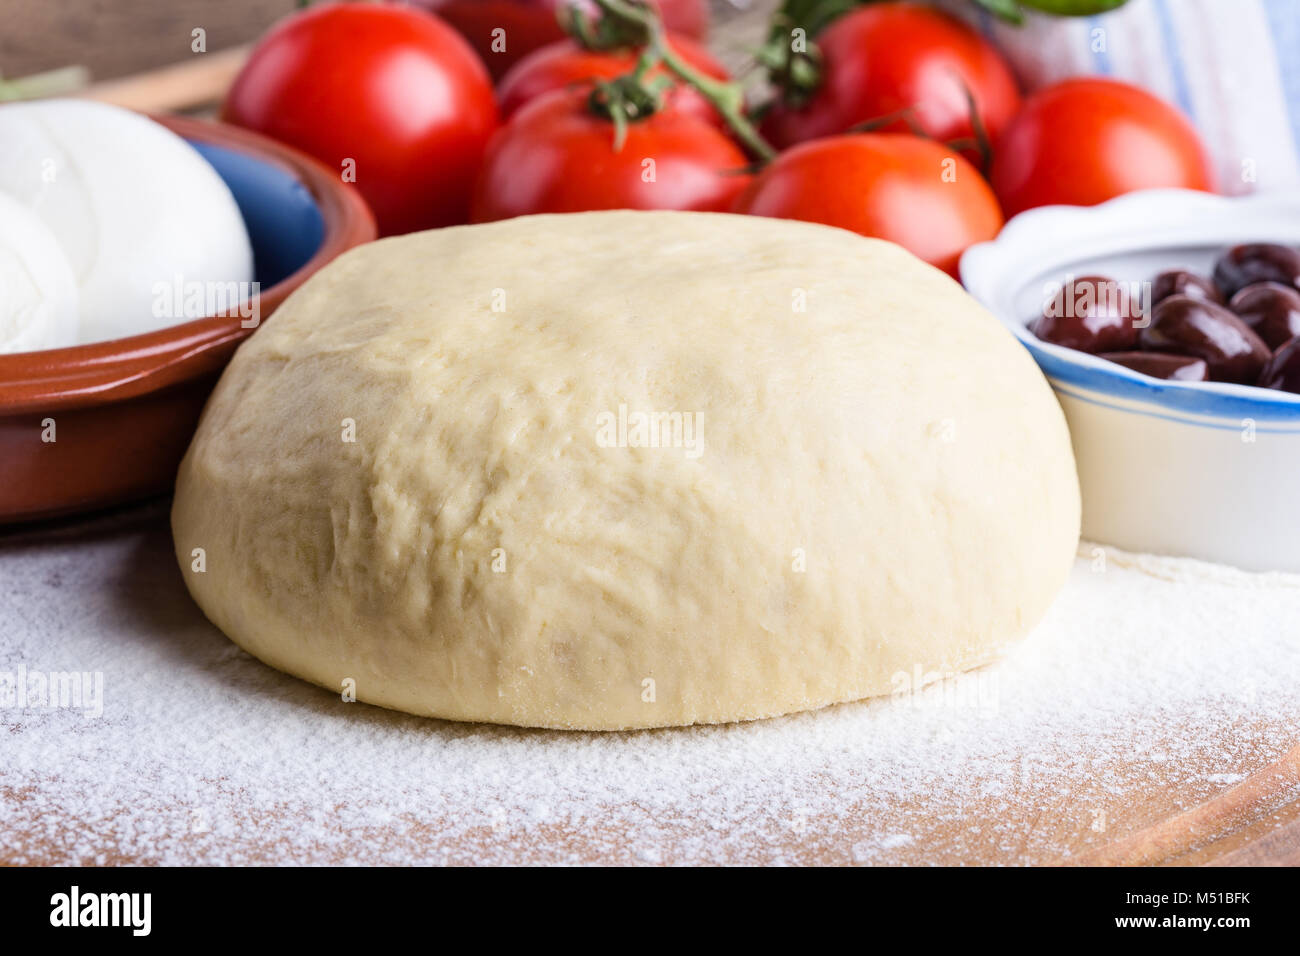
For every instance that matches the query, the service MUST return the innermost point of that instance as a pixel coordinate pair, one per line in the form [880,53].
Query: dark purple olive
[1187,326]
[1271,309]
[1255,262]
[1181,282]
[1283,369]
[1179,368]
[1090,314]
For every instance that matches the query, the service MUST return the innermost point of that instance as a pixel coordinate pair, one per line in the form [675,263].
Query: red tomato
[391,88]
[884,57]
[529,24]
[1087,140]
[559,65]
[907,189]
[558,156]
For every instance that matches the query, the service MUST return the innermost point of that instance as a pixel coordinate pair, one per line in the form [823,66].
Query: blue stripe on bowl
[1209,399]
[1177,419]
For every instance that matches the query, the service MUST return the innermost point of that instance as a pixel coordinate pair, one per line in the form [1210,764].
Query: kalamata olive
[1271,309]
[1181,282]
[1187,326]
[1090,314]
[1283,369]
[1254,262]
[1179,368]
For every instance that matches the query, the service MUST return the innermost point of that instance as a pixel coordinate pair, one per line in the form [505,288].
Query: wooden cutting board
[1254,823]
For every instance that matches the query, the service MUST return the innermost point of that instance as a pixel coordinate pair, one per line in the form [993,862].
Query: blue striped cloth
[1233,66]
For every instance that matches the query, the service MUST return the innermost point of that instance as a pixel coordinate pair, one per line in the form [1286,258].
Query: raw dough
[879,487]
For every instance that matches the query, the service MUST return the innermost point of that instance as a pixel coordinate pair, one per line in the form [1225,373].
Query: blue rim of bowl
[1094,379]
[1211,400]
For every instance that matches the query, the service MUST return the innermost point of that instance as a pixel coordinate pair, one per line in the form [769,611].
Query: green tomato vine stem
[725,97]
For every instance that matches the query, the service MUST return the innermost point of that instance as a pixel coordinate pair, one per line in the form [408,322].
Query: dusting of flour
[1150,676]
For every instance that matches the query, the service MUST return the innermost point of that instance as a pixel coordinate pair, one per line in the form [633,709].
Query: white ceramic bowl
[1201,469]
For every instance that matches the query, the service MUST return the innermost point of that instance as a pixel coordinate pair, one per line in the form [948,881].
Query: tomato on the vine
[389,93]
[907,189]
[884,58]
[558,155]
[525,25]
[566,63]
[1089,139]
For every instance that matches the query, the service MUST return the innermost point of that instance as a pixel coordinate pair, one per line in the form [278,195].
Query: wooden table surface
[115,38]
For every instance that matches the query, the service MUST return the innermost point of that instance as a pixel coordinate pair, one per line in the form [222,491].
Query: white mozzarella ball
[38,291]
[134,206]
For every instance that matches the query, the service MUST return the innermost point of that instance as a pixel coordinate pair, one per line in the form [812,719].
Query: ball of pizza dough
[627,469]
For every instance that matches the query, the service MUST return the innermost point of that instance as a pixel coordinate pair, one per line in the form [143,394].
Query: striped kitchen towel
[1232,66]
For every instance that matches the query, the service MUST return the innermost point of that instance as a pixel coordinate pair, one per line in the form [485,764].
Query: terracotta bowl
[124,410]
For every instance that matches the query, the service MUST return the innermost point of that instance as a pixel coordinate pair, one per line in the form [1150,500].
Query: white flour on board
[1147,671]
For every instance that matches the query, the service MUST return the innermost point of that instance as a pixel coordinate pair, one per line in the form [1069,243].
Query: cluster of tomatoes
[914,129]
